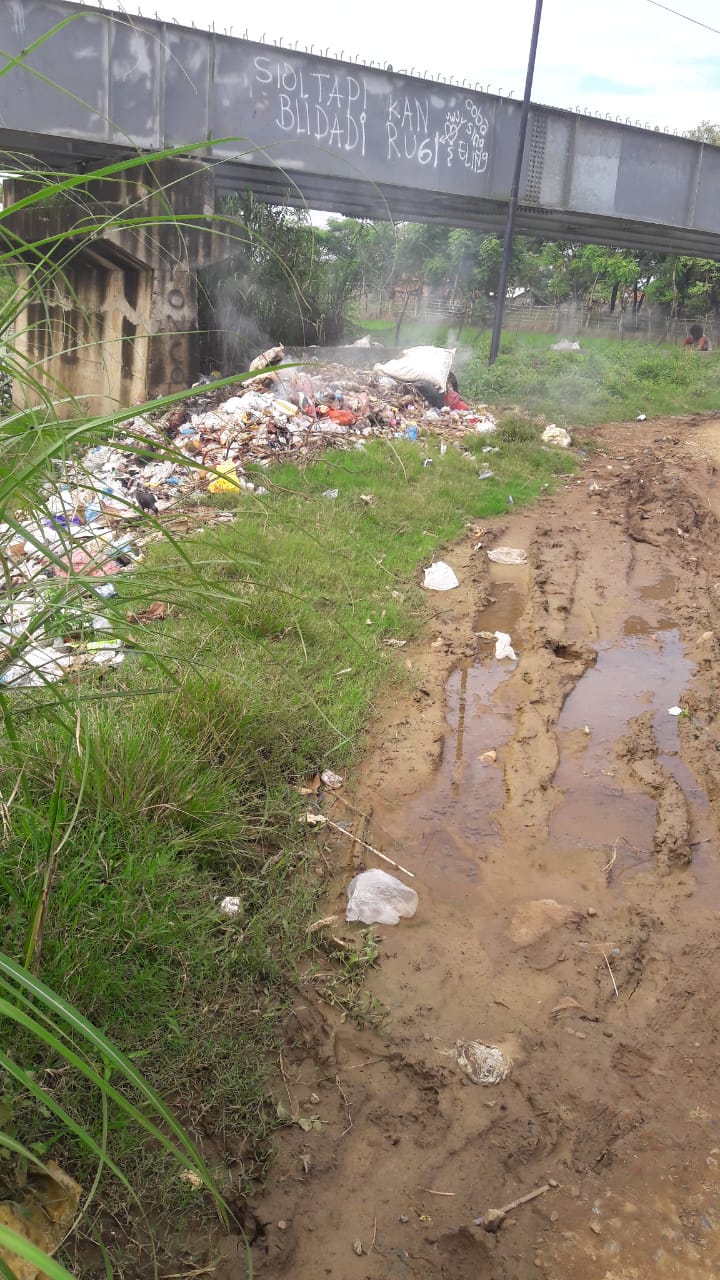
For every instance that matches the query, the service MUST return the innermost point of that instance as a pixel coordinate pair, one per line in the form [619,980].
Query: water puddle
[453,819]
[647,671]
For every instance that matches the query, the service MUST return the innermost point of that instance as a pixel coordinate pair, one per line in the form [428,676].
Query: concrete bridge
[298,128]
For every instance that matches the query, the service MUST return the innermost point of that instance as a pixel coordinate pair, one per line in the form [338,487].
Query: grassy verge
[604,382]
[189,795]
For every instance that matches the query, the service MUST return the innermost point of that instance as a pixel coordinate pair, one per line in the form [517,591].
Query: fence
[649,324]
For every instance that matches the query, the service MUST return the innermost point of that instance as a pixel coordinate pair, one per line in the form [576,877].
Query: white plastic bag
[421,364]
[376,897]
[482,1063]
[557,436]
[503,647]
[440,577]
[507,555]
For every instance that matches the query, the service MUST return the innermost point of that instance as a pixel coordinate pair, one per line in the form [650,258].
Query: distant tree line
[290,280]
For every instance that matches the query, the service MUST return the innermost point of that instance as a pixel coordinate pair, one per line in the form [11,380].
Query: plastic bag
[440,577]
[507,555]
[503,647]
[376,897]
[421,364]
[482,1063]
[557,436]
[227,481]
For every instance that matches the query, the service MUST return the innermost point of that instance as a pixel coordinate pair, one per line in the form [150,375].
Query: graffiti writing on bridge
[343,111]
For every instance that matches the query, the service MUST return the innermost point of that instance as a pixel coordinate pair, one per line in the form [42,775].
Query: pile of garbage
[283,411]
[94,519]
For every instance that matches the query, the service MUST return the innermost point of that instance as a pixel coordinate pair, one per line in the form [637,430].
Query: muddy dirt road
[569,897]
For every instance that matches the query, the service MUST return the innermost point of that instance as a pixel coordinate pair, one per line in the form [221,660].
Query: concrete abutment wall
[106,275]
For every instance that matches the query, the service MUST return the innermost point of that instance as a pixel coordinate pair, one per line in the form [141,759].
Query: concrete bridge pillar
[106,278]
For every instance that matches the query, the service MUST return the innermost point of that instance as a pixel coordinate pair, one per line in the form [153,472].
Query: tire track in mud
[562,913]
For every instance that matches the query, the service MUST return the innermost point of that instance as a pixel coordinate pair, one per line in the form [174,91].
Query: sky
[624,58]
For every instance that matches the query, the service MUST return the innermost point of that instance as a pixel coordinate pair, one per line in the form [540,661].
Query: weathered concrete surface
[115,320]
[296,127]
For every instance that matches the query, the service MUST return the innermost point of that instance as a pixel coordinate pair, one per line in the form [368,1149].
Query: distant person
[697,338]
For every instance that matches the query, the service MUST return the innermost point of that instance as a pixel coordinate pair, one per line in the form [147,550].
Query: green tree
[706,131]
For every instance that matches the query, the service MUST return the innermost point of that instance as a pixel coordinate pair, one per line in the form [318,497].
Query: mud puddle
[568,912]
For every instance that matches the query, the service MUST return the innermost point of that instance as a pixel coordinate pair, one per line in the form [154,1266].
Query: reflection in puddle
[662,589]
[454,817]
[636,626]
[645,673]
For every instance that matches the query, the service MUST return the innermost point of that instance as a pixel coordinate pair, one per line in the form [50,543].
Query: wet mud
[563,830]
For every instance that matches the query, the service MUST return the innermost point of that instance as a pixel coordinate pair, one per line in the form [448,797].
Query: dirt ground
[568,913]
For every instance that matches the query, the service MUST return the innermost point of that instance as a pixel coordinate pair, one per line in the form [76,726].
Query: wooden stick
[320,820]
[494,1217]
[531,1195]
[612,975]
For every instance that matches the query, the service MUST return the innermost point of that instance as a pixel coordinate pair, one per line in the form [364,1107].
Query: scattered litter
[440,577]
[482,1063]
[503,647]
[192,1178]
[411,433]
[357,1248]
[392,643]
[675,711]
[568,1004]
[154,613]
[443,448]
[487,474]
[227,480]
[331,493]
[642,417]
[594,487]
[490,448]
[427,462]
[231,906]
[557,436]
[275,355]
[375,897]
[507,555]
[488,757]
[565,345]
[106,505]
[586,730]
[331,780]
